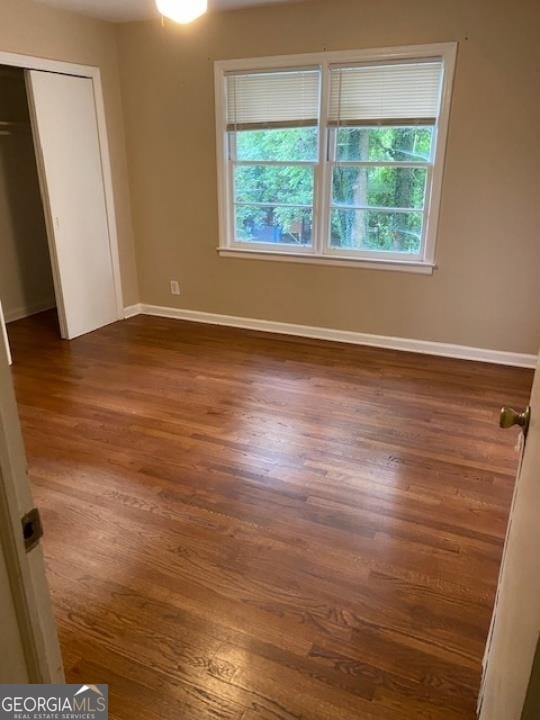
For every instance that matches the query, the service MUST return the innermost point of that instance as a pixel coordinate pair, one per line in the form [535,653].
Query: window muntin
[357,182]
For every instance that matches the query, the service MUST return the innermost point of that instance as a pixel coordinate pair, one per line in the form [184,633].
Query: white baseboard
[463,352]
[21,312]
[132,310]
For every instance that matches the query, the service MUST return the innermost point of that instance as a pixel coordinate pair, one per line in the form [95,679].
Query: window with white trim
[334,158]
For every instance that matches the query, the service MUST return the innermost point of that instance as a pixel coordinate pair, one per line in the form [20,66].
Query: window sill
[420,268]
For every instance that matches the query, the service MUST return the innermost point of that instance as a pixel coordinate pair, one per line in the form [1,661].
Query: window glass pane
[383,186]
[384,144]
[287,145]
[289,184]
[271,225]
[377,231]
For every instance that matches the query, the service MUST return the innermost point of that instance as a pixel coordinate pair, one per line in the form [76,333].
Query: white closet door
[71,176]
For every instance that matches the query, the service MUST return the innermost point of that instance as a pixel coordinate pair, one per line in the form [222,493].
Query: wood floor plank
[242,526]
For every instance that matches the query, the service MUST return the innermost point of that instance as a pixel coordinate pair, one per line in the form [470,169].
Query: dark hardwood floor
[250,527]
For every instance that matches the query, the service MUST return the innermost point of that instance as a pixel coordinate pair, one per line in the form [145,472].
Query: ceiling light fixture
[182,11]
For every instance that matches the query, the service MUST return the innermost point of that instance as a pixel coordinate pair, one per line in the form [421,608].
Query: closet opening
[26,276]
[58,235]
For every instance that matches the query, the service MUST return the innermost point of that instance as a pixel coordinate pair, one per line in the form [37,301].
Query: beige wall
[26,283]
[485,292]
[35,29]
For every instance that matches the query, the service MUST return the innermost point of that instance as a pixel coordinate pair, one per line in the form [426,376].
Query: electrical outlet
[175,287]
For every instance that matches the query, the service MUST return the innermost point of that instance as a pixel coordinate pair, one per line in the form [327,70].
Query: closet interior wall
[26,282]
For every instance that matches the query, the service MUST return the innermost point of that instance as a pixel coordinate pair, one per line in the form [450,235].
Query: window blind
[389,94]
[272,99]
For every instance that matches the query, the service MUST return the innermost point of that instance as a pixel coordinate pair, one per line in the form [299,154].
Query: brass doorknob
[510,417]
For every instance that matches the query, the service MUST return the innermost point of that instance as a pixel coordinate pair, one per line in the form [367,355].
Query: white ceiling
[126,10]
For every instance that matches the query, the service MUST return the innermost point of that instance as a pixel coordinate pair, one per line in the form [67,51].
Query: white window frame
[320,251]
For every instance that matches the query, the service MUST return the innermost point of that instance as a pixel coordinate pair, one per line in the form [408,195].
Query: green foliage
[275,185]
[384,144]
[288,184]
[378,186]
[368,229]
[288,145]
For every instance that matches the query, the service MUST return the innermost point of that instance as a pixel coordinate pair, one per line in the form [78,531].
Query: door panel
[71,176]
[516,621]
[13,664]
[29,650]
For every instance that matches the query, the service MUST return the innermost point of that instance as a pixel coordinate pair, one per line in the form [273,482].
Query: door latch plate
[32,529]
